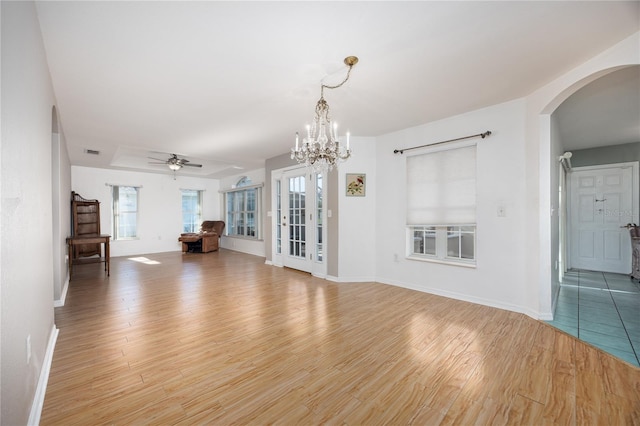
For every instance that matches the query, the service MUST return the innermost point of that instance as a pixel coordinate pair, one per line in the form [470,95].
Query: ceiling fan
[174,162]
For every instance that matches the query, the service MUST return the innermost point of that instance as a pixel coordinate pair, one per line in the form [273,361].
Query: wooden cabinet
[85,215]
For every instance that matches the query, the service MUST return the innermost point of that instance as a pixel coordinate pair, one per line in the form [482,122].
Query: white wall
[557,149]
[160,205]
[26,243]
[501,256]
[357,236]
[246,245]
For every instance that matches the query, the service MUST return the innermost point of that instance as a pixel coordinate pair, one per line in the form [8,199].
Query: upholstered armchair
[204,241]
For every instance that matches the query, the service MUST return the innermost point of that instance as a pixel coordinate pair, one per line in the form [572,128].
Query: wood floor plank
[222,338]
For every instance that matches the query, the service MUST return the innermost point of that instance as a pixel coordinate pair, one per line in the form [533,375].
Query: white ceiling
[227,84]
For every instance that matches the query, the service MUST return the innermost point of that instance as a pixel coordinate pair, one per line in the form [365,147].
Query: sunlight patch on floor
[145,260]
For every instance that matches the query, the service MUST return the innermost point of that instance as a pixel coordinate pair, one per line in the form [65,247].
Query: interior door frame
[318,268]
[635,198]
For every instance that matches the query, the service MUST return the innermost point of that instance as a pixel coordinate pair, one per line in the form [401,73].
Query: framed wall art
[356,184]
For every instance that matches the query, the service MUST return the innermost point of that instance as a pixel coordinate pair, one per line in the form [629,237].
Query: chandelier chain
[325,86]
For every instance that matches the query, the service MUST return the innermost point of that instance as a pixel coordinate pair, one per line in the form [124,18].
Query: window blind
[441,187]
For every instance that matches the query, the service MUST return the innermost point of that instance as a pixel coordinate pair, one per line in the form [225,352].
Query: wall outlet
[28,349]
[502,212]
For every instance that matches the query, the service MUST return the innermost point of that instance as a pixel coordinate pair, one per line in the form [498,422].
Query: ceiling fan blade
[158,162]
[157,159]
[192,165]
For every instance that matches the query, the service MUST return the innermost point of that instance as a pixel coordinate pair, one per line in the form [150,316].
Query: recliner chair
[204,241]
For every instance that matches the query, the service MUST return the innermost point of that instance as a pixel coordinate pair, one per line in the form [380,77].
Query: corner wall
[357,235]
[26,244]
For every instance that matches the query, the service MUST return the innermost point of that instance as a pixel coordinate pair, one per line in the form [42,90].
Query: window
[125,212]
[441,205]
[243,209]
[191,210]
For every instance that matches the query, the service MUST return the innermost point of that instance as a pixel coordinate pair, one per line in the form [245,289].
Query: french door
[299,218]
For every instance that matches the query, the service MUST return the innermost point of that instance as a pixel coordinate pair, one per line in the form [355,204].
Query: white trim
[63,297]
[241,188]
[445,261]
[606,166]
[38,398]
[345,280]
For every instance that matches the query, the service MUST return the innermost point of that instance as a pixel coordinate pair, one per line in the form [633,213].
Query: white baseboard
[350,279]
[38,399]
[472,299]
[63,297]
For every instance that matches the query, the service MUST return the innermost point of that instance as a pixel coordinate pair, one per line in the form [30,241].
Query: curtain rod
[482,135]
[122,184]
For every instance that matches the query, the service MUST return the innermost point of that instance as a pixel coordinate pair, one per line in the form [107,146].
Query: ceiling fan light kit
[175,163]
[321,148]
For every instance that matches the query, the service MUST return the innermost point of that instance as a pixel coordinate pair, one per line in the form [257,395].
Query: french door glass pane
[296,216]
[278,217]
[319,217]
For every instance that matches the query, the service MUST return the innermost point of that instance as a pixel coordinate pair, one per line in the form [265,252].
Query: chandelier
[321,149]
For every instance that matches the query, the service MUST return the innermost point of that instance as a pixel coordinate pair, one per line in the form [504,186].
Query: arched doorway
[589,302]
[59,268]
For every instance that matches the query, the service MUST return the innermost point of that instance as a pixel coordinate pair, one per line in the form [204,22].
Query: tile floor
[602,309]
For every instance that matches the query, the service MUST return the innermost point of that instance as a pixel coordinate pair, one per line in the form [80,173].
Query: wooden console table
[86,239]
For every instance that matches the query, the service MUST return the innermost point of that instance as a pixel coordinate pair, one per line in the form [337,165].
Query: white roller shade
[441,187]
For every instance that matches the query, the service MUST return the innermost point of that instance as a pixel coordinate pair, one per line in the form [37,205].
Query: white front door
[601,205]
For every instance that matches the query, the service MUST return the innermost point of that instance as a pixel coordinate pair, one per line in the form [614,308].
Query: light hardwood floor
[220,338]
